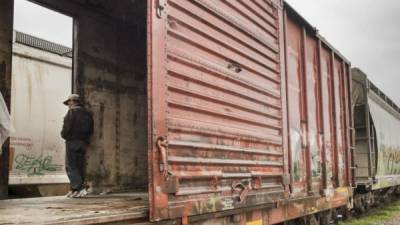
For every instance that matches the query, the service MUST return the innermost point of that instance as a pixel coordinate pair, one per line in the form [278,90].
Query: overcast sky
[367,32]
[41,22]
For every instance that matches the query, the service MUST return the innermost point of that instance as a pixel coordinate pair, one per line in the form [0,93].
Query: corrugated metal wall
[314,110]
[220,106]
[296,104]
[318,110]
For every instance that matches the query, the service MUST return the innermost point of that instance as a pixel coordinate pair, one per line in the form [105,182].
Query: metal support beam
[6,39]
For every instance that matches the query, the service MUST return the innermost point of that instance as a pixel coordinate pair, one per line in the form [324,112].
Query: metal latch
[162,145]
[244,187]
[161,4]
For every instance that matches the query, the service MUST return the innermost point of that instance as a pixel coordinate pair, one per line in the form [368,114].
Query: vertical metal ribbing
[322,128]
[282,52]
[304,105]
[289,160]
[333,121]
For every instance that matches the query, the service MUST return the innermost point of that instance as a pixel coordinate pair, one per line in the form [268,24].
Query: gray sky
[41,22]
[367,32]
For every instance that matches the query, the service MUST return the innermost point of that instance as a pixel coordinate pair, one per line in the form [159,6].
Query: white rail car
[41,80]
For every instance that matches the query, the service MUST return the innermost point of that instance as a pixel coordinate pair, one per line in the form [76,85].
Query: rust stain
[11,155]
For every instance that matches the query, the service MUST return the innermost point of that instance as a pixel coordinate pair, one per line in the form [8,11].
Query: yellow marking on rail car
[255,222]
[342,190]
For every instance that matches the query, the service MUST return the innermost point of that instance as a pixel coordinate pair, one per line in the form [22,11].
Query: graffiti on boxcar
[315,154]
[386,127]
[24,142]
[295,137]
[32,165]
[392,158]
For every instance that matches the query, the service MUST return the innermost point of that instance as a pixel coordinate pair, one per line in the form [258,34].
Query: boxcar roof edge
[313,30]
[377,91]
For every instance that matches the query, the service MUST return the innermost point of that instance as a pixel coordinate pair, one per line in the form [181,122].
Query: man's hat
[73,97]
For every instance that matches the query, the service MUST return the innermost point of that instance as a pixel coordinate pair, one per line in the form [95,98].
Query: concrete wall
[111,77]
[6,31]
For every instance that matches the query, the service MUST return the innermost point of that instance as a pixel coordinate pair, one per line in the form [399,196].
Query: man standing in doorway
[77,129]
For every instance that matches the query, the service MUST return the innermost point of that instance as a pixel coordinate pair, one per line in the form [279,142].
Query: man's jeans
[75,163]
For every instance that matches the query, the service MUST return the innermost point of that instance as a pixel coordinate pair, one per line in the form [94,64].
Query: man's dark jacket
[78,124]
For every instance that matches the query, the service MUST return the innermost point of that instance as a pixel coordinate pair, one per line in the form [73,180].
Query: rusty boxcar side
[249,117]
[250,107]
[215,95]
[319,115]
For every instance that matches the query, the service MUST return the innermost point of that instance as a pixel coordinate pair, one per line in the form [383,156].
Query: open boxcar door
[215,106]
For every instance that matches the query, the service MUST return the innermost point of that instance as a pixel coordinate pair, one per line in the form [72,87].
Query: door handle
[244,189]
[162,145]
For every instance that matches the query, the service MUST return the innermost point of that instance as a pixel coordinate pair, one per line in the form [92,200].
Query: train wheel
[343,213]
[312,220]
[327,217]
[306,220]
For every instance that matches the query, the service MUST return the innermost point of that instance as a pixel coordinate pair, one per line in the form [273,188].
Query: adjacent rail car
[377,124]
[224,112]
[42,77]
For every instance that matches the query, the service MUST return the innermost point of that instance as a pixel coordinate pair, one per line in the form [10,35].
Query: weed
[376,215]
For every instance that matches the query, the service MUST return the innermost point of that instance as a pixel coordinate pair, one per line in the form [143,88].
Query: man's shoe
[69,194]
[82,193]
[75,194]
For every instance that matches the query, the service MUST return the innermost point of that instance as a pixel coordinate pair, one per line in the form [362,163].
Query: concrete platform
[93,209]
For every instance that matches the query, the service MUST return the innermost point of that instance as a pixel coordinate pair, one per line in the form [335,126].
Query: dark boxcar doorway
[110,75]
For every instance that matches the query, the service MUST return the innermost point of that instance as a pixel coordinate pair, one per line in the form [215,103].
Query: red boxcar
[248,109]
[255,106]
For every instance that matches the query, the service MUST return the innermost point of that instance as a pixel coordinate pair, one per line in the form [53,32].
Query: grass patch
[376,215]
